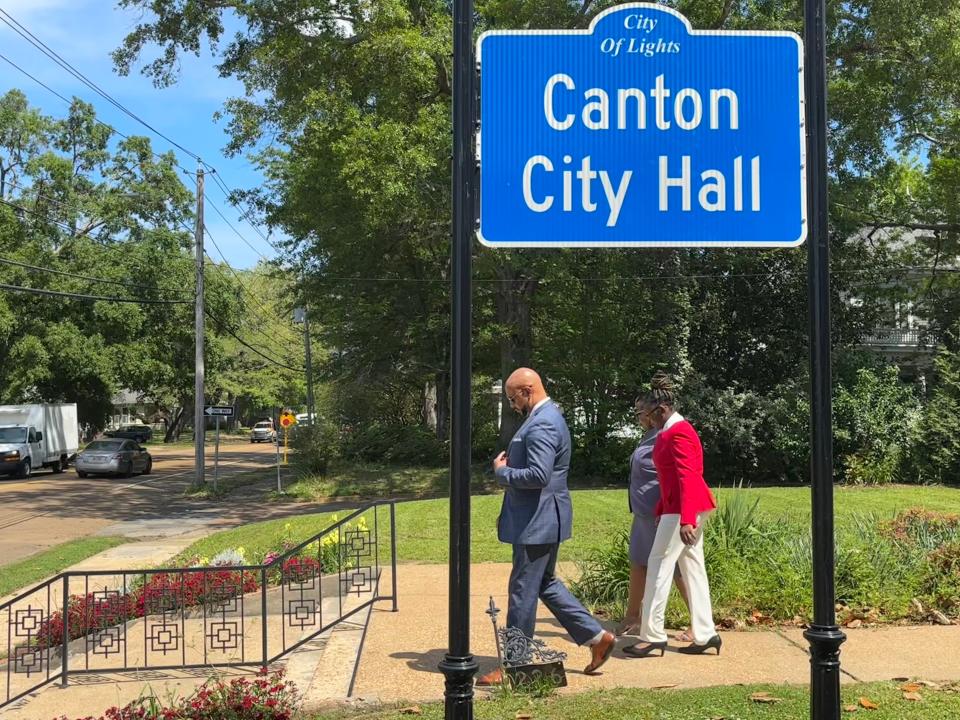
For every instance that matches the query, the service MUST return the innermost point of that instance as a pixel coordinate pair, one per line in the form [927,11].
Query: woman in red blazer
[685,503]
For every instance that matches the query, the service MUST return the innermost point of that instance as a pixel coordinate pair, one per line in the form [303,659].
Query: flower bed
[193,587]
[268,697]
[161,593]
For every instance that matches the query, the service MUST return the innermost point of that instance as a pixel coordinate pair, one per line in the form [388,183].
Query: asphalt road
[49,509]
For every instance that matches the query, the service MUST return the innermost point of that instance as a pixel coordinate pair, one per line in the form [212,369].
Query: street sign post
[641,131]
[216,457]
[287,421]
[217,411]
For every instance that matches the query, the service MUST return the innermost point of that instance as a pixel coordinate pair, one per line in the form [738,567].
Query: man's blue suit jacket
[536,505]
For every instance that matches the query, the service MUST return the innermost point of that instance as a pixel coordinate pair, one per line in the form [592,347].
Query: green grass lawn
[423,525]
[42,565]
[727,703]
[371,480]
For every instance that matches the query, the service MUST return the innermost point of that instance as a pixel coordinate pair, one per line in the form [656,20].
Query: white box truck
[36,436]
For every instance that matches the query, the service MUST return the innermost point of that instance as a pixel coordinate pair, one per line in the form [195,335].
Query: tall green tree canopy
[348,113]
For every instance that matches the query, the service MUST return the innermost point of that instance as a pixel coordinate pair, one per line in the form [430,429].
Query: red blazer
[678,457]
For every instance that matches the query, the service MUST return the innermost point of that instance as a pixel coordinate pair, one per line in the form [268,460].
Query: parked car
[114,457]
[140,433]
[263,432]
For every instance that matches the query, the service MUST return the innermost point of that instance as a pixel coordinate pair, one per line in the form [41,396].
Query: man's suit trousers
[533,577]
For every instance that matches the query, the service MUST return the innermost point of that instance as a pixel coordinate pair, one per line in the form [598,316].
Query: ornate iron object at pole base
[526,661]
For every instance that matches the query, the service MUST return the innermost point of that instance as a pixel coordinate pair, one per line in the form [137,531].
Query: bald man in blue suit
[537,516]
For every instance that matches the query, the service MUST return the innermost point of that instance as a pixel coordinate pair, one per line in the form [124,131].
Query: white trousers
[669,551]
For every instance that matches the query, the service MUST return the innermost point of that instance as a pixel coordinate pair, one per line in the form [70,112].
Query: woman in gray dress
[643,496]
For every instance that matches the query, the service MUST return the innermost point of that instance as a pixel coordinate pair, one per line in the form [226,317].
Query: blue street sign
[641,131]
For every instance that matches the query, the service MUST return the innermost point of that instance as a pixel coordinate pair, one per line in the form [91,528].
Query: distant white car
[263,432]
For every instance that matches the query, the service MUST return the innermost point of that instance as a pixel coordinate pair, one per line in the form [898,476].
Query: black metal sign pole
[459,666]
[824,635]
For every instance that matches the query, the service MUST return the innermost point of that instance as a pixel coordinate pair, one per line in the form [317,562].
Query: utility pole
[300,315]
[309,360]
[199,419]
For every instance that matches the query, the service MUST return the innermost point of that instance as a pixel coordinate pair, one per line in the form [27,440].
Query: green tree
[81,203]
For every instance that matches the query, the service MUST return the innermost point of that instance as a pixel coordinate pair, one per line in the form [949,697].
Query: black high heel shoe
[651,647]
[694,649]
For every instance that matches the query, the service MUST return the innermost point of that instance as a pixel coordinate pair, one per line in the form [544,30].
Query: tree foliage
[79,202]
[347,111]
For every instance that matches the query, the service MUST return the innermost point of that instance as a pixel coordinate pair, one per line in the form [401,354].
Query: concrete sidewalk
[402,650]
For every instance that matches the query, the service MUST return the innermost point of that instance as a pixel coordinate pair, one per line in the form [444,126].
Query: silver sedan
[113,457]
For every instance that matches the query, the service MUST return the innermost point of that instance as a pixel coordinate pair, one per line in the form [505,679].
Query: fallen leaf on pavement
[854,624]
[412,710]
[868,704]
[764,697]
[914,696]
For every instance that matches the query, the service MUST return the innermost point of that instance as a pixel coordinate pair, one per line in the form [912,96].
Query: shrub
[935,451]
[940,585]
[873,422]
[760,568]
[316,445]
[413,444]
[268,697]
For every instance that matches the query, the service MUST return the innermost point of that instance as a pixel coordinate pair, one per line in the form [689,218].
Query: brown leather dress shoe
[600,652]
[494,677]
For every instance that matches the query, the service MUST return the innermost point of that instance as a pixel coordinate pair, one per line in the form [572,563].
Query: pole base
[825,641]
[458,687]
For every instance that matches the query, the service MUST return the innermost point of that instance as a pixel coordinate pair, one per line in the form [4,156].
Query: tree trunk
[514,293]
[174,428]
[428,410]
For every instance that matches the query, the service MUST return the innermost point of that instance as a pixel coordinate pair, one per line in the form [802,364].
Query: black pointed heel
[694,649]
[634,651]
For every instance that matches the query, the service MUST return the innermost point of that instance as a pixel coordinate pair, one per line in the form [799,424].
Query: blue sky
[84,32]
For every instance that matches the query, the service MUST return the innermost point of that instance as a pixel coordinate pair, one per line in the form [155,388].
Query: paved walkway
[402,650]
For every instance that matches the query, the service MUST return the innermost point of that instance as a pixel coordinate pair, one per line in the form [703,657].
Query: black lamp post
[824,635]
[459,665]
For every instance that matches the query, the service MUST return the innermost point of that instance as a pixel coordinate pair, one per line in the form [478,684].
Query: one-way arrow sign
[221,410]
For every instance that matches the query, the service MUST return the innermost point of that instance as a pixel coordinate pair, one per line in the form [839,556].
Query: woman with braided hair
[685,503]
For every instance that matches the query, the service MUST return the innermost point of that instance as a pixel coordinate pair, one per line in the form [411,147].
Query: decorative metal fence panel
[198,617]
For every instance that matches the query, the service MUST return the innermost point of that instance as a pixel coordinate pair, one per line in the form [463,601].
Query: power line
[236,232]
[228,193]
[25,33]
[49,89]
[40,215]
[247,345]
[63,273]
[11,22]
[80,296]
[243,286]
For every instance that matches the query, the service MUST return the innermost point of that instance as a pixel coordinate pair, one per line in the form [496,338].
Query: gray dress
[644,494]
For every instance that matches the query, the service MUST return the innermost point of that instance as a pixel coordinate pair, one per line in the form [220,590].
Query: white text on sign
[687,111]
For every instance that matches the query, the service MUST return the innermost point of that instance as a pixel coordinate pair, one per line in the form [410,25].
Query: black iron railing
[895,337]
[197,617]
